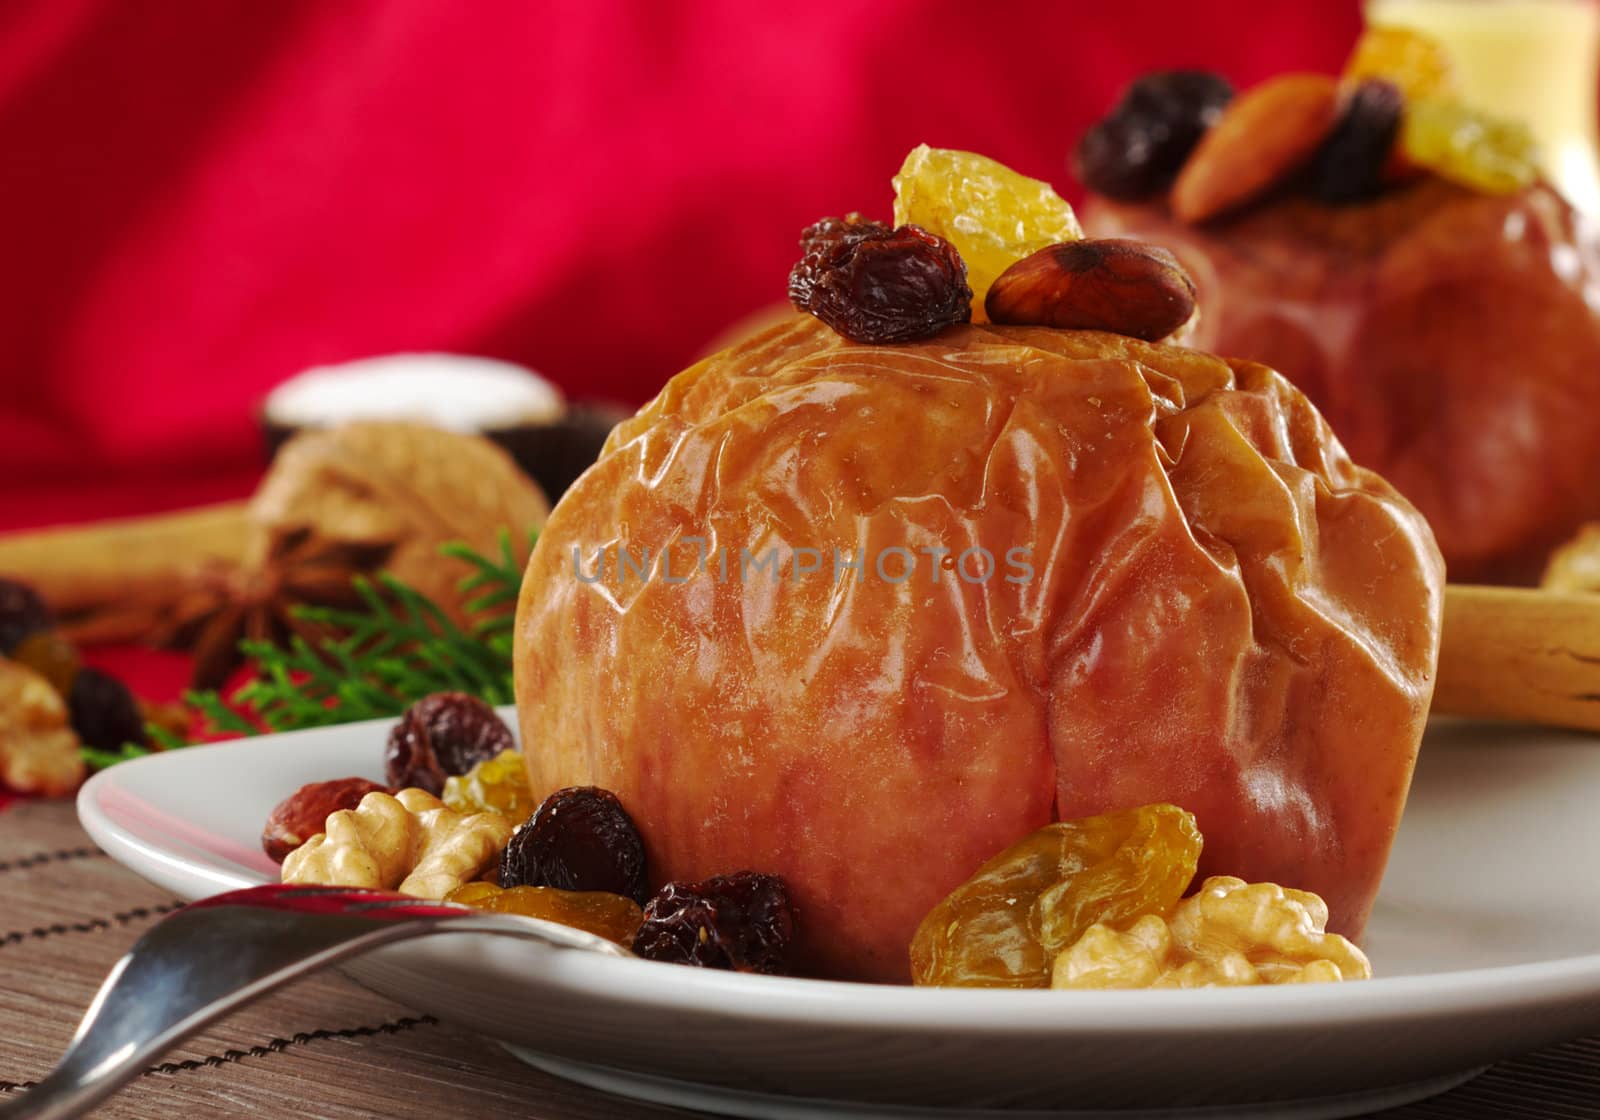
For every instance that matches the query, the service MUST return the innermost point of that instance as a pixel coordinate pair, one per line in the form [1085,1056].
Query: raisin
[1415,63]
[1139,148]
[742,922]
[499,785]
[1005,925]
[1349,165]
[104,713]
[22,613]
[1188,101]
[440,735]
[1469,147]
[991,214]
[578,839]
[875,284]
[605,915]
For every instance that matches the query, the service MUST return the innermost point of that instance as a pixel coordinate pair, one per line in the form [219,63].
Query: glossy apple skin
[1224,613]
[1451,338]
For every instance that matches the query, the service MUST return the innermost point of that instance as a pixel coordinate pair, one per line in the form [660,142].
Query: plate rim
[919,1010]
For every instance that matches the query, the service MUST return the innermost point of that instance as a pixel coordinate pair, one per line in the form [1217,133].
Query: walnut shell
[401,486]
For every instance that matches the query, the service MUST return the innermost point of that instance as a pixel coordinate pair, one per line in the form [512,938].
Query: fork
[213,956]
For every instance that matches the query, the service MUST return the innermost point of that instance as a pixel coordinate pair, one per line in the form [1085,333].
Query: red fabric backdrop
[199,198]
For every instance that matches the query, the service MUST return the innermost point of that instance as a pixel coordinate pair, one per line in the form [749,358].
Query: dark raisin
[22,614]
[1190,100]
[1349,165]
[442,735]
[104,713]
[578,839]
[1139,148]
[743,922]
[875,284]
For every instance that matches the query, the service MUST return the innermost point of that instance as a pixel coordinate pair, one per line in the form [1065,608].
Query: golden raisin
[992,215]
[1469,147]
[1416,63]
[1004,927]
[610,916]
[497,785]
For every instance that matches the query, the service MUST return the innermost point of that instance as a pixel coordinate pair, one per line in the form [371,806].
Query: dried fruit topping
[1469,147]
[498,785]
[605,915]
[22,613]
[440,735]
[1264,136]
[578,839]
[305,812]
[1231,933]
[50,655]
[1350,164]
[1415,63]
[742,922]
[104,713]
[1004,927]
[875,284]
[1138,148]
[1126,287]
[993,216]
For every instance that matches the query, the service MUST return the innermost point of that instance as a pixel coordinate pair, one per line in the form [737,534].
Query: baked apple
[1450,337]
[864,615]
[1394,252]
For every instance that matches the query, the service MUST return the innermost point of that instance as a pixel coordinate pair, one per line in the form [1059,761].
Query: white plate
[1484,939]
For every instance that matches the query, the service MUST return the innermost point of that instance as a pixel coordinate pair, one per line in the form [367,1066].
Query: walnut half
[38,750]
[410,842]
[1230,933]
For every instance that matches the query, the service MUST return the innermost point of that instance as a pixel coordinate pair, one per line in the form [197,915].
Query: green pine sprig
[395,648]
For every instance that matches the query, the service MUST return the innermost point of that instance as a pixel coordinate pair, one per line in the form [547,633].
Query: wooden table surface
[328,1048]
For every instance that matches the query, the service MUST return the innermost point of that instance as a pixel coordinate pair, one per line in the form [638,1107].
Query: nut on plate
[38,749]
[305,812]
[1264,135]
[410,842]
[1231,933]
[1125,287]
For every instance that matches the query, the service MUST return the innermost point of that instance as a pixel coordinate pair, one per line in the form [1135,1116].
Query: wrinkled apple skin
[1224,613]
[1451,338]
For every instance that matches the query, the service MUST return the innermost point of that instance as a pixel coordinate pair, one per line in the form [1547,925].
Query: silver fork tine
[209,958]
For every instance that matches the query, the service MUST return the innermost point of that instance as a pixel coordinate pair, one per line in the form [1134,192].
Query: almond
[1264,136]
[1125,287]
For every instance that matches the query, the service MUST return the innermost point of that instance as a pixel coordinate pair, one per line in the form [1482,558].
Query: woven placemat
[329,1048]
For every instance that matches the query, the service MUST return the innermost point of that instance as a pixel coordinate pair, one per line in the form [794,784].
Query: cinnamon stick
[1520,654]
[110,580]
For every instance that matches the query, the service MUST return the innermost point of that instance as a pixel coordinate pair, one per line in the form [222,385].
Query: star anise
[226,604]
